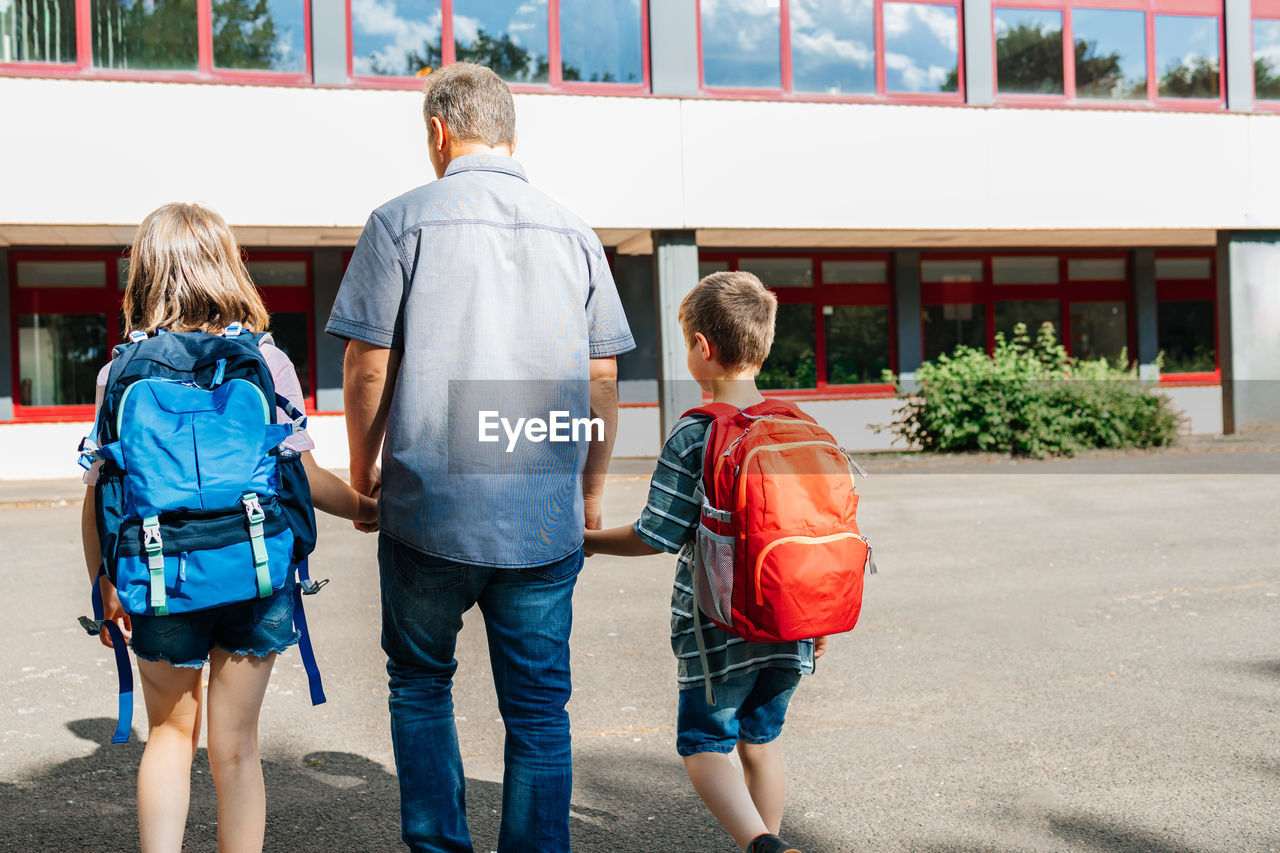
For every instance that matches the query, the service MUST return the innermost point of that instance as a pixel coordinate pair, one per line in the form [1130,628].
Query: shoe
[768,843]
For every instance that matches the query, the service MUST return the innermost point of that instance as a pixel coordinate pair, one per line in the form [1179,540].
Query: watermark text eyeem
[557,426]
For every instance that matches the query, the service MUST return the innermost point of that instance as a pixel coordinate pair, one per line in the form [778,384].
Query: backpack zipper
[742,483]
[812,540]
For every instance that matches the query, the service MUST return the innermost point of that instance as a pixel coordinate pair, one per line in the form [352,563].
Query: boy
[728,321]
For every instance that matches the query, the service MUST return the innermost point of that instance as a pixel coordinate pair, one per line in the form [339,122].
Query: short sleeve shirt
[497,298]
[668,522]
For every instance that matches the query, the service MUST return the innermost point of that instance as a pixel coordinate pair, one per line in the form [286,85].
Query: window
[66,318]
[1110,53]
[1118,51]
[967,298]
[236,40]
[828,48]
[1029,51]
[1186,316]
[59,356]
[741,44]
[576,45]
[38,32]
[834,327]
[1187,56]
[1266,52]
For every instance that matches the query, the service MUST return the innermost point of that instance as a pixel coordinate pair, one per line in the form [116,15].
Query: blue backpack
[198,504]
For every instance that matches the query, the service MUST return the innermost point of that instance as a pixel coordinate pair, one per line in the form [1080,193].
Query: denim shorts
[259,627]
[750,707]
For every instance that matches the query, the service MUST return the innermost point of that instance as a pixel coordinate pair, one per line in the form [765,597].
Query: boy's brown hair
[735,313]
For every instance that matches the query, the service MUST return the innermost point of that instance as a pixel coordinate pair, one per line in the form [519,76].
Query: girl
[186,274]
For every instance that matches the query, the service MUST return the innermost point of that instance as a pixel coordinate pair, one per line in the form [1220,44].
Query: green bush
[1031,399]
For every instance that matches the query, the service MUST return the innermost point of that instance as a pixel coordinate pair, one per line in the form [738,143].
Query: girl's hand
[819,647]
[112,611]
[367,517]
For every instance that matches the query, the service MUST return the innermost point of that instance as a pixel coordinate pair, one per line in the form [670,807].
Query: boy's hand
[368,484]
[112,611]
[819,647]
[588,537]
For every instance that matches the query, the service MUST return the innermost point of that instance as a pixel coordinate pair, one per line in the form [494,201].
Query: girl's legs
[766,779]
[172,695]
[237,684]
[725,792]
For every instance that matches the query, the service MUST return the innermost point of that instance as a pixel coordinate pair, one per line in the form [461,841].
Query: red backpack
[778,554]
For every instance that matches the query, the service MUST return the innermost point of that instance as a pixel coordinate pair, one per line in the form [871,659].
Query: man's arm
[368,379]
[604,405]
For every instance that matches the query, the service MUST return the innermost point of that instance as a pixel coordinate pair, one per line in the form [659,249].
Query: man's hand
[819,647]
[368,381]
[112,611]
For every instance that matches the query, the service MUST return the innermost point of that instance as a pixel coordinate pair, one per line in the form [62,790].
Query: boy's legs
[766,779]
[749,714]
[725,792]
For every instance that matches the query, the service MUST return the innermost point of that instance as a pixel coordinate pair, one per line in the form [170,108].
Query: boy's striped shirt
[668,523]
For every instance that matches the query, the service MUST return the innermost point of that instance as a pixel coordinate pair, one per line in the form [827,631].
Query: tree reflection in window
[37,32]
[1187,56]
[509,36]
[792,362]
[1110,53]
[1029,51]
[921,48]
[600,41]
[155,35]
[259,34]
[1266,59]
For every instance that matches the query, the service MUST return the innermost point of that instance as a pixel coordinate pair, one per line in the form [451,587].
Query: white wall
[48,451]
[325,157]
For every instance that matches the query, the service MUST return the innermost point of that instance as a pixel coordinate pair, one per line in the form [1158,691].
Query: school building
[906,174]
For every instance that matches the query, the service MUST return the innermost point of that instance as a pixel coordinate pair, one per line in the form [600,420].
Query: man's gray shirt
[498,298]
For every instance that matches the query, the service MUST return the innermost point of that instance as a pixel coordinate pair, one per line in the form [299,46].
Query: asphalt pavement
[1076,655]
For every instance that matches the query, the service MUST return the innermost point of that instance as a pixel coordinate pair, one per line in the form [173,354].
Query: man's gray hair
[472,102]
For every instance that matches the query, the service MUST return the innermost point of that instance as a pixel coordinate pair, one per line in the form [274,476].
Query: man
[478,292]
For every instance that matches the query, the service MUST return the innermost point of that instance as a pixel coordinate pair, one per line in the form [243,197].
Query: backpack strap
[712,410]
[261,566]
[702,654]
[306,586]
[154,546]
[124,672]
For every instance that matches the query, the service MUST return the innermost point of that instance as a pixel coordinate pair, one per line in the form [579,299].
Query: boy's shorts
[750,707]
[259,627]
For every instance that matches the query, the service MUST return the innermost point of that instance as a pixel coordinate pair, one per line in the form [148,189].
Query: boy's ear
[704,346]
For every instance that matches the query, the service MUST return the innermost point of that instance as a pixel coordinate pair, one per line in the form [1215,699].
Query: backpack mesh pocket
[713,575]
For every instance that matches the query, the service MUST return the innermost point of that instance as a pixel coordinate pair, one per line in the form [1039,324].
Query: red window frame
[107,299]
[1193,290]
[987,293]
[787,90]
[821,294]
[206,71]
[1067,292]
[1263,10]
[1149,8]
[555,82]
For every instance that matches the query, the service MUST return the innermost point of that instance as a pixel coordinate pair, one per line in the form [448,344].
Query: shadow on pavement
[341,801]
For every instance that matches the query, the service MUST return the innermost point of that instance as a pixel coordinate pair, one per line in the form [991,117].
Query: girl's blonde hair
[186,274]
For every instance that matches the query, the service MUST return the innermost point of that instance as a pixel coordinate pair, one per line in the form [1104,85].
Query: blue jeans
[528,614]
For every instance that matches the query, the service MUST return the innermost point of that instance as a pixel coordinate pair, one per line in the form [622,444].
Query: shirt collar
[486,163]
